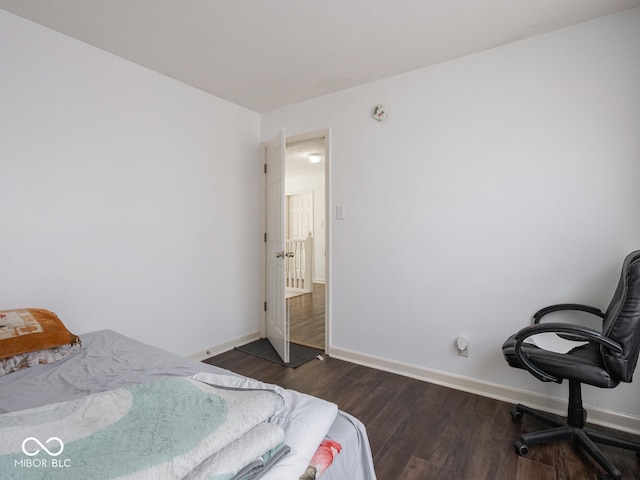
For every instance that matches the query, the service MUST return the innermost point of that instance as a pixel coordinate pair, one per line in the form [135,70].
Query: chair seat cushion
[583,364]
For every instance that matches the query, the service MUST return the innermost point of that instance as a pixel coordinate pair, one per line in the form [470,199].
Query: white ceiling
[265,54]
[297,162]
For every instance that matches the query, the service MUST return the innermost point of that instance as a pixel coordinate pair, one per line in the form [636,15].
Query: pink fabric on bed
[322,459]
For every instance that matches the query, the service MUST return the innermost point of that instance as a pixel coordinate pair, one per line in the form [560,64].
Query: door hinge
[265,237]
[265,168]
[265,306]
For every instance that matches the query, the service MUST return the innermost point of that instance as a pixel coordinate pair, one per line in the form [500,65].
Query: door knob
[279,254]
[290,254]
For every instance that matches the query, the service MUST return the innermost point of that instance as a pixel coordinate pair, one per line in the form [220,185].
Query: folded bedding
[170,429]
[256,469]
[304,419]
[242,458]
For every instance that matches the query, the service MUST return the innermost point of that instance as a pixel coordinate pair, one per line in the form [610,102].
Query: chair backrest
[622,320]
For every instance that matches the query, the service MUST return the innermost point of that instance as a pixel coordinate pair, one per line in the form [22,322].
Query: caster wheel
[516,415]
[521,448]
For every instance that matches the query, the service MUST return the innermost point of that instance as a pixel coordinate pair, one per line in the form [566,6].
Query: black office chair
[609,358]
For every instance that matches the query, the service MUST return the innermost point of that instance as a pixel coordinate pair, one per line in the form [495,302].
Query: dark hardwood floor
[420,430]
[307,318]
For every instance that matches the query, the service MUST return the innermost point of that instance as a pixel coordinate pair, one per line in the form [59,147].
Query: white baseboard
[597,415]
[223,347]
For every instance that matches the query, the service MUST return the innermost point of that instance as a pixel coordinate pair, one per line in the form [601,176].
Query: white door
[300,215]
[299,267]
[277,318]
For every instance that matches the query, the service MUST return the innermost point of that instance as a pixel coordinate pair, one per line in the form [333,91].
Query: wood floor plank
[307,317]
[419,469]
[530,470]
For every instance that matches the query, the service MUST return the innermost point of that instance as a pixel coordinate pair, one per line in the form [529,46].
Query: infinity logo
[31,454]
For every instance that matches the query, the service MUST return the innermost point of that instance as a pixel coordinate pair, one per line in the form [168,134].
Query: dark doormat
[298,354]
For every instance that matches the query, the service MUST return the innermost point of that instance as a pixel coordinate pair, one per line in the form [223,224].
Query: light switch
[339,212]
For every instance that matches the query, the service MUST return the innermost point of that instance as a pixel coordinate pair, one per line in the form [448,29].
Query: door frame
[315,134]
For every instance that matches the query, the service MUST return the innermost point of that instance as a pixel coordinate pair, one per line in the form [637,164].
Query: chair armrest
[566,306]
[576,331]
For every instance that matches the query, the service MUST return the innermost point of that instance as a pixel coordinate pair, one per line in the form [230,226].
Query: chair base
[573,429]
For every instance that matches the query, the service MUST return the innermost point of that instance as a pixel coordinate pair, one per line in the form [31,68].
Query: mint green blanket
[166,429]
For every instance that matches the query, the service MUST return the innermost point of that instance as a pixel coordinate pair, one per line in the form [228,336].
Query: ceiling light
[315,158]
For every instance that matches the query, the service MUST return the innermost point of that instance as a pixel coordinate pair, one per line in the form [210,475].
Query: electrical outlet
[462,344]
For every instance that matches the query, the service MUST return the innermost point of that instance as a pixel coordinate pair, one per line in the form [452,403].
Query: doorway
[306,217]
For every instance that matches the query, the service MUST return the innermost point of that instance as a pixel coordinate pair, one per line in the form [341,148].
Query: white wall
[502,182]
[314,184]
[127,200]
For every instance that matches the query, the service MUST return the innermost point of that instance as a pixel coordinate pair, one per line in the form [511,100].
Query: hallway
[307,318]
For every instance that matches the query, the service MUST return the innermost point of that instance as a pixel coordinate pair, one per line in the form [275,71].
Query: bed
[57,420]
